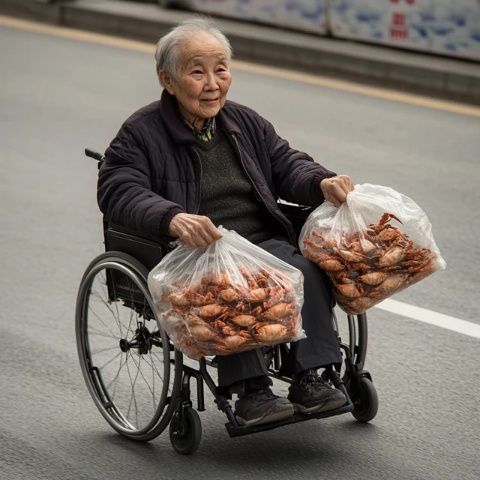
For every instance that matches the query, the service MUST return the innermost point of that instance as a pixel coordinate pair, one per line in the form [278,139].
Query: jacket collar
[176,126]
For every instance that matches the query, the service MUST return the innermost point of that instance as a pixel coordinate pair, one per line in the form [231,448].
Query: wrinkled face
[202,81]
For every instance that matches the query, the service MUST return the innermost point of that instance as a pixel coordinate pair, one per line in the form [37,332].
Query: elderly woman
[183,165]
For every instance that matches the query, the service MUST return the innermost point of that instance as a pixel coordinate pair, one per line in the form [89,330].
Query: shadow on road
[284,451]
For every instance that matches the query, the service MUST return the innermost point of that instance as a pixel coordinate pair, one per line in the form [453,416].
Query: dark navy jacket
[151,171]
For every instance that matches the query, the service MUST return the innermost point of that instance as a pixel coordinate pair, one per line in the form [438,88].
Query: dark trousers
[320,348]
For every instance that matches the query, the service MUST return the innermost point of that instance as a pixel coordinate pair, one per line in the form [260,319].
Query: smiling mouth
[210,100]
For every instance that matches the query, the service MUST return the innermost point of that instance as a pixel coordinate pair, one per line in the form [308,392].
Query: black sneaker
[311,394]
[262,406]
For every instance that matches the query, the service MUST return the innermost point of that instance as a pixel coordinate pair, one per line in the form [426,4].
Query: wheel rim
[125,367]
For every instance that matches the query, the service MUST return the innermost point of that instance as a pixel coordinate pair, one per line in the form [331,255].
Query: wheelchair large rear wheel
[131,369]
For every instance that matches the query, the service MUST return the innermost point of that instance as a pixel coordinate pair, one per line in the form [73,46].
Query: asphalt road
[58,96]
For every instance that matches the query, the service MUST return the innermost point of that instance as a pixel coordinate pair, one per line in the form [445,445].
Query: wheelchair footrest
[298,417]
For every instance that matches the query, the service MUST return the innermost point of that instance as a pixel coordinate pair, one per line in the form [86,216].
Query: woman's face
[202,81]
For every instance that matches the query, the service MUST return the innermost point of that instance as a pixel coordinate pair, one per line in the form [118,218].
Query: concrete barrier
[304,15]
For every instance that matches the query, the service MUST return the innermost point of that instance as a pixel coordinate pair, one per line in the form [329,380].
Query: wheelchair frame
[126,263]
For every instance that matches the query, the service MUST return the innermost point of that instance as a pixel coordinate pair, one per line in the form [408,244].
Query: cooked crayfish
[270,333]
[228,295]
[244,320]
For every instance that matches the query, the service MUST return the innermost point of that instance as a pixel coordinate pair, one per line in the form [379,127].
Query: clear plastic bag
[226,298]
[375,244]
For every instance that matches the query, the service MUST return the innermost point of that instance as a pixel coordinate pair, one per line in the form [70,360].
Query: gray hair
[168,47]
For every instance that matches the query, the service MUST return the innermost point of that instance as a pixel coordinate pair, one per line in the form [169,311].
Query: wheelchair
[140,382]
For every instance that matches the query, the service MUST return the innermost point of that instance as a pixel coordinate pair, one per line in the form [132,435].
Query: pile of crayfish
[367,267]
[217,316]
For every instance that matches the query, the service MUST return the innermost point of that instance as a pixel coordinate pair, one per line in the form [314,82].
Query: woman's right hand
[194,230]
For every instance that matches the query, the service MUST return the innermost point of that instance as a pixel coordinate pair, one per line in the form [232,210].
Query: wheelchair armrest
[146,251]
[297,214]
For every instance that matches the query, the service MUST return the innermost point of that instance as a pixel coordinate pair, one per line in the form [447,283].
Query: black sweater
[227,196]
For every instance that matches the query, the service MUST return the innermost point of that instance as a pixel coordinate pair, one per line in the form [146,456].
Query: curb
[371,64]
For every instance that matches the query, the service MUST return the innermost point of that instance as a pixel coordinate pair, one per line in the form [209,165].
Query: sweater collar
[179,129]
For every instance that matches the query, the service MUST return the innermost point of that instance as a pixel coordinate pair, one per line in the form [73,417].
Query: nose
[211,82]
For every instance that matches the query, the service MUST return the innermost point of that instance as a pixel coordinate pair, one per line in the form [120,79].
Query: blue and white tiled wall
[449,27]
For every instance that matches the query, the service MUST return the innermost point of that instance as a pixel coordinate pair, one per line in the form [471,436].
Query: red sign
[398,27]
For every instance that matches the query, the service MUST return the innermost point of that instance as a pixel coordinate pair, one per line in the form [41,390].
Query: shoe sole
[322,407]
[267,418]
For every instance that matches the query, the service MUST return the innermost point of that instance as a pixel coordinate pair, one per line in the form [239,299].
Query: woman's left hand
[335,189]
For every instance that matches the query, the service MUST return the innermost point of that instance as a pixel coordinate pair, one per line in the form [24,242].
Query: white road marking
[430,317]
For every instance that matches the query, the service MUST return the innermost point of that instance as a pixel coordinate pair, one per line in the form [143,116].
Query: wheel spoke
[141,374]
[115,378]
[100,333]
[116,307]
[133,393]
[109,308]
[106,302]
[130,321]
[155,368]
[131,299]
[131,384]
[109,361]
[153,380]
[103,323]
[145,380]
[106,349]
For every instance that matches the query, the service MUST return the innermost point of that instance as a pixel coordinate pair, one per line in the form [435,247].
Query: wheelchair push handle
[95,155]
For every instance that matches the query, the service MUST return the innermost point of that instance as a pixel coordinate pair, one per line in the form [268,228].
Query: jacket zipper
[198,199]
[259,196]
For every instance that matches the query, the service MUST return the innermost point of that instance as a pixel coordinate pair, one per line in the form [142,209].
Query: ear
[167,81]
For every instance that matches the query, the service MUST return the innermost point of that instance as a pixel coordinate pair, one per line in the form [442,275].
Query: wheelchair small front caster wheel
[185,430]
[365,400]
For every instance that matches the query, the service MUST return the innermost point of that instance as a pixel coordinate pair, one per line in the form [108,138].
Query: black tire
[365,400]
[125,356]
[185,431]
